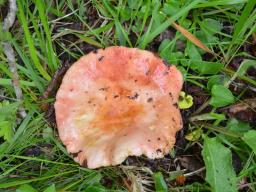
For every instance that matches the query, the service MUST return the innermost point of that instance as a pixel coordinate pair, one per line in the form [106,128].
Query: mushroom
[118,102]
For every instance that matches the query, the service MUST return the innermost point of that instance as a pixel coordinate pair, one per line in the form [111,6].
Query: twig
[194,172]
[9,52]
[240,187]
[10,18]
[56,79]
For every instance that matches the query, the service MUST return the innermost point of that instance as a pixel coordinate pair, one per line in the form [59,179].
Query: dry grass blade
[191,37]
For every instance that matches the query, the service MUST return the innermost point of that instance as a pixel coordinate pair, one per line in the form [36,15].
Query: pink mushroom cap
[118,102]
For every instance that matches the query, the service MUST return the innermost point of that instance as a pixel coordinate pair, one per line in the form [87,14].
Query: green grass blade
[52,59]
[32,73]
[88,40]
[21,182]
[245,14]
[32,49]
[168,22]
[8,82]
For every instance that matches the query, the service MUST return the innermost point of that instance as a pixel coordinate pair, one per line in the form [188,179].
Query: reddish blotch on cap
[118,102]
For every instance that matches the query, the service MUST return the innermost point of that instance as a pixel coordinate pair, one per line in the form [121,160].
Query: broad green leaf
[165,49]
[197,64]
[238,126]
[221,96]
[125,13]
[216,80]
[165,44]
[250,139]
[6,130]
[26,188]
[212,26]
[50,189]
[176,57]
[8,110]
[235,127]
[95,188]
[218,162]
[7,119]
[160,184]
[133,3]
[171,8]
[206,67]
[193,53]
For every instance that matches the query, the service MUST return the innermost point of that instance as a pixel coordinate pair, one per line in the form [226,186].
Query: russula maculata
[118,102]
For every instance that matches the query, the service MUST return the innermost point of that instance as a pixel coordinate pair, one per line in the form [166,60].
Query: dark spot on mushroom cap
[175,105]
[95,51]
[158,138]
[166,73]
[89,101]
[158,151]
[100,58]
[149,140]
[75,154]
[104,89]
[150,99]
[84,164]
[115,96]
[170,95]
[135,80]
[135,96]
[166,63]
[148,72]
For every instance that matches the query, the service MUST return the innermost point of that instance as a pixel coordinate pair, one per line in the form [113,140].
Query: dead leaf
[245,110]
[191,37]
[181,180]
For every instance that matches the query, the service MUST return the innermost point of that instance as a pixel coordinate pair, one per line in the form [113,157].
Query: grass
[48,33]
